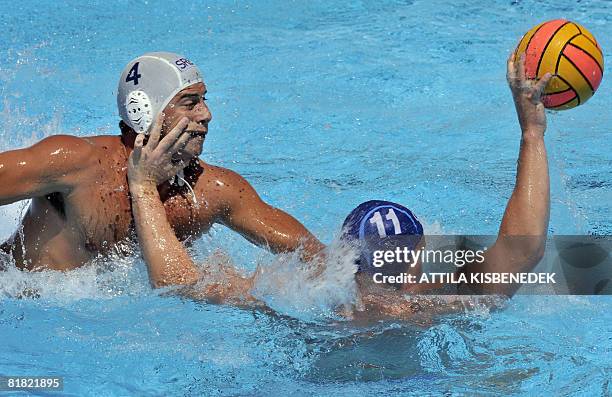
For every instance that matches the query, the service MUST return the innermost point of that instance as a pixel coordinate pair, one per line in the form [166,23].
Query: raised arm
[264,225]
[165,256]
[167,260]
[148,166]
[522,234]
[51,165]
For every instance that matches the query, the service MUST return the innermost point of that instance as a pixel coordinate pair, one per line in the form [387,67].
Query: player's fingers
[511,67]
[156,131]
[137,152]
[521,67]
[180,143]
[170,139]
[541,85]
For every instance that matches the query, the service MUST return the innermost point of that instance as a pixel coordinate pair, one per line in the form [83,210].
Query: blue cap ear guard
[381,225]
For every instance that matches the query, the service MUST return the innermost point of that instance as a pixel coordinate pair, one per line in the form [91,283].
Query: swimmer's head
[378,226]
[165,82]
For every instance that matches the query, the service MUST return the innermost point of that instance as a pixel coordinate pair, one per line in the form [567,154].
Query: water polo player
[526,213]
[378,230]
[80,199]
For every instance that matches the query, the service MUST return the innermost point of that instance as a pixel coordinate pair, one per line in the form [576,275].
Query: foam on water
[10,215]
[285,283]
[294,288]
[102,278]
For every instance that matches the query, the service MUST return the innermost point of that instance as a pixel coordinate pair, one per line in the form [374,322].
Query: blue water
[320,105]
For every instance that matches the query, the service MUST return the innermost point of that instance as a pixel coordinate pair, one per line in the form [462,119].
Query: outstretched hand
[152,162]
[527,95]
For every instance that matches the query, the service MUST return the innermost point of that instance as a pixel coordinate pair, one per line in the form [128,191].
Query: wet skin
[81,202]
[526,215]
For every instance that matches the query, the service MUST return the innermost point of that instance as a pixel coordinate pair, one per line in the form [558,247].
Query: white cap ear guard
[148,83]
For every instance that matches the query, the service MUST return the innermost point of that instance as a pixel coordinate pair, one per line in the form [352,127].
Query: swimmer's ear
[124,127]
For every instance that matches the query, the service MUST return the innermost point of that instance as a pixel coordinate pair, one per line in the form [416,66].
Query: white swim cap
[148,83]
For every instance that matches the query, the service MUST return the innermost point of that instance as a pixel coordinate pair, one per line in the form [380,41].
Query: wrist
[142,187]
[137,179]
[532,135]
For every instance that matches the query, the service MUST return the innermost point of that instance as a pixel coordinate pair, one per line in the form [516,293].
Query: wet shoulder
[221,177]
[224,185]
[73,149]
[81,153]
[105,142]
[106,147]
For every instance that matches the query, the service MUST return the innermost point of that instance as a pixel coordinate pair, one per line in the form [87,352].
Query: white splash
[10,216]
[294,288]
[100,279]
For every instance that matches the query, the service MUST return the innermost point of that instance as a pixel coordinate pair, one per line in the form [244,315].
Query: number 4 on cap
[133,74]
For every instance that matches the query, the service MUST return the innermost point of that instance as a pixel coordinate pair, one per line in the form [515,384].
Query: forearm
[290,235]
[528,209]
[522,234]
[9,187]
[11,190]
[166,258]
[56,164]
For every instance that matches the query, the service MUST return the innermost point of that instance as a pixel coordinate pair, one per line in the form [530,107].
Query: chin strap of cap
[179,180]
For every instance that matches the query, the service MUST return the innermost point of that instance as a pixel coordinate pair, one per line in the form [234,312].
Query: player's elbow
[533,251]
[527,250]
[539,251]
[159,283]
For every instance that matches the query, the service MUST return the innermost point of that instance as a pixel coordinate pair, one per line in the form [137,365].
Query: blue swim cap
[381,225]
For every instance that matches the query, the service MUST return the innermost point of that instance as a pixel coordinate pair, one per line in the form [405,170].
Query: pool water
[320,105]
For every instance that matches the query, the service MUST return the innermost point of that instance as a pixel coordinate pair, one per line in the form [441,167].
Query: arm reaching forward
[267,226]
[148,166]
[522,235]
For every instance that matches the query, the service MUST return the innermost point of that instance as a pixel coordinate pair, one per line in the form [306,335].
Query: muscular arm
[167,260]
[264,225]
[522,234]
[51,165]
